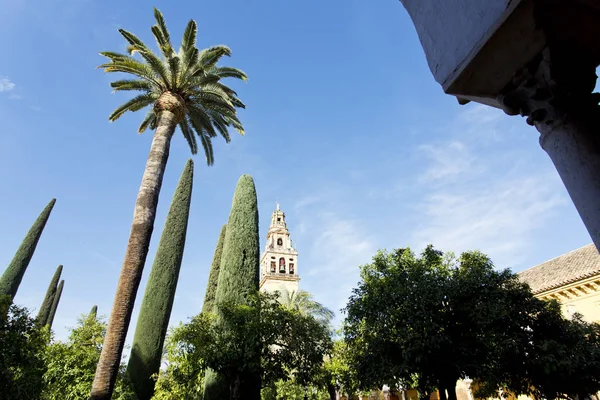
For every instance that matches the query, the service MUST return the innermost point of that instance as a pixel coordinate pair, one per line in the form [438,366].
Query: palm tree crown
[187,83]
[304,302]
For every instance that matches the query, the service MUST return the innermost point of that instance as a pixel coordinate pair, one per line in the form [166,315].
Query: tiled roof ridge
[531,280]
[554,258]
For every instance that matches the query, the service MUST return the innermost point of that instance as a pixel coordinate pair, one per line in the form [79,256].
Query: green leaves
[148,121]
[188,134]
[135,104]
[304,303]
[131,84]
[70,365]
[432,319]
[192,75]
[162,34]
[22,347]
[188,44]
[291,346]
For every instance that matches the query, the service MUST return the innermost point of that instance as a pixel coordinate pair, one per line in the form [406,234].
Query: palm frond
[205,79]
[135,104]
[229,72]
[201,120]
[221,124]
[212,94]
[230,92]
[131,84]
[134,67]
[152,59]
[211,56]
[236,102]
[153,123]
[305,304]
[116,56]
[208,149]
[229,115]
[188,66]
[149,119]
[205,131]
[174,67]
[162,25]
[165,46]
[188,134]
[188,43]
[235,122]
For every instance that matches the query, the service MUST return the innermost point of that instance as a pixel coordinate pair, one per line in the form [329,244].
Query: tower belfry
[279,262]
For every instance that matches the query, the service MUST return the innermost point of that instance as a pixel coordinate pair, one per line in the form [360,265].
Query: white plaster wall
[450,29]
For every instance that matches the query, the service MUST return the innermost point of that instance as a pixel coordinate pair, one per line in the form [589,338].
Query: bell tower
[279,262]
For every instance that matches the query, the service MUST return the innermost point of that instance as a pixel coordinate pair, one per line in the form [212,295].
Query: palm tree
[184,90]
[304,302]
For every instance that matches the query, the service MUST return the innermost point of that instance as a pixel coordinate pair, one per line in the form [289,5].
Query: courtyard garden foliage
[414,321]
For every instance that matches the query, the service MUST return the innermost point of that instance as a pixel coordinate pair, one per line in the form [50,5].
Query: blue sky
[346,128]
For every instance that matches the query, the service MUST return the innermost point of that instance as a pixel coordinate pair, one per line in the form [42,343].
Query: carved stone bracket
[553,86]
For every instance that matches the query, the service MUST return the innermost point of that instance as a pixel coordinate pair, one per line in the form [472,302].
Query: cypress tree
[11,279]
[42,317]
[155,311]
[55,303]
[238,274]
[217,387]
[93,312]
[213,277]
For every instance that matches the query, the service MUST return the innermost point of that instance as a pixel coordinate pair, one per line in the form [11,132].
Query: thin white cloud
[6,85]
[333,247]
[448,160]
[306,202]
[480,197]
[498,219]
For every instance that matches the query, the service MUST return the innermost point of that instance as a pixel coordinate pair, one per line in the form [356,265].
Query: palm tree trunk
[135,258]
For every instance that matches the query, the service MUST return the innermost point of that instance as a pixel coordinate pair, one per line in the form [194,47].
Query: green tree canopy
[428,321]
[291,346]
[22,347]
[70,365]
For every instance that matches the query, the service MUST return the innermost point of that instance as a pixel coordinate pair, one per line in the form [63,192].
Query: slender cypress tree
[93,312]
[42,317]
[155,311]
[218,388]
[213,277]
[239,274]
[11,279]
[55,303]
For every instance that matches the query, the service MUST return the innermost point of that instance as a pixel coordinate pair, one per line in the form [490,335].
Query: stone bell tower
[279,262]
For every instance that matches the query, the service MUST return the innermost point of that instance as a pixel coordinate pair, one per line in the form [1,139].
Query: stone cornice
[576,290]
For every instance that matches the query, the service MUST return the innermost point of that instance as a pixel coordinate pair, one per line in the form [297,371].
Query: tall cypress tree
[239,274]
[55,303]
[42,317]
[11,279]
[93,312]
[155,311]
[213,277]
